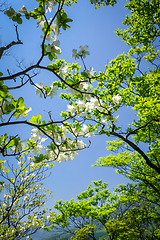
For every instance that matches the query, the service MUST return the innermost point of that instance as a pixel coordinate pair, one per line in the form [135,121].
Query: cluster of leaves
[99,3]
[126,214]
[143,28]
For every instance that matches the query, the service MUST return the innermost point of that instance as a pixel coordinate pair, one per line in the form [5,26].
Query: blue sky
[95,28]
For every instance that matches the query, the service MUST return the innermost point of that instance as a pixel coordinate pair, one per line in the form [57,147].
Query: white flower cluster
[61,153]
[37,137]
[62,70]
[52,48]
[50,5]
[90,72]
[116,99]
[83,86]
[41,90]
[83,51]
[20,146]
[81,107]
[84,106]
[86,132]
[23,9]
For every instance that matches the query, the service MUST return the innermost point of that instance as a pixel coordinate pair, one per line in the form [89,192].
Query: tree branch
[137,129]
[137,149]
[2,49]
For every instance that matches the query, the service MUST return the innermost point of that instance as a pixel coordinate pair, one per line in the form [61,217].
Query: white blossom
[64,129]
[35,134]
[84,86]
[70,142]
[24,179]
[72,109]
[43,140]
[49,218]
[50,5]
[39,89]
[94,101]
[41,23]
[90,134]
[56,29]
[75,54]
[49,38]
[115,119]
[53,91]
[50,154]
[69,89]
[19,163]
[63,70]
[54,48]
[57,137]
[27,111]
[80,104]
[32,164]
[26,197]
[23,9]
[38,149]
[90,72]
[104,121]
[62,157]
[89,106]
[20,146]
[72,155]
[80,144]
[85,128]
[116,99]
[83,51]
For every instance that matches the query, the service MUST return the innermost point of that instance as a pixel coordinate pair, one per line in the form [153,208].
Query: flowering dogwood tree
[21,212]
[93,98]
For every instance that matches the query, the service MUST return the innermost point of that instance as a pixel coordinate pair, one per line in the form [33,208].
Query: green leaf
[3,90]
[27,16]
[14,18]
[52,146]
[20,104]
[19,20]
[40,158]
[35,119]
[50,56]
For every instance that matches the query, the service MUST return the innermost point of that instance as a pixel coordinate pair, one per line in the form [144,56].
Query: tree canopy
[93,102]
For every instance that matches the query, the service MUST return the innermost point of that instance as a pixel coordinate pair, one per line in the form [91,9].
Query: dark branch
[2,49]
[137,129]
[137,149]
